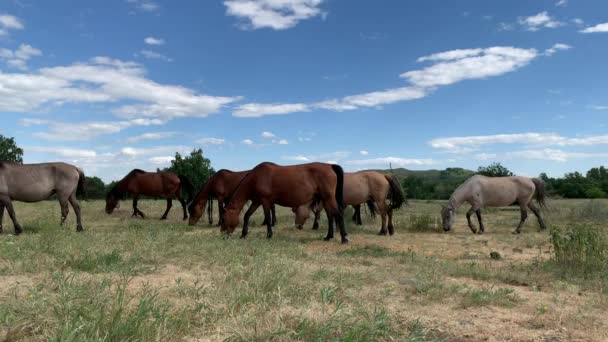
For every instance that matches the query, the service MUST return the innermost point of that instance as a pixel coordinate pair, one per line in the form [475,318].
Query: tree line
[426,185]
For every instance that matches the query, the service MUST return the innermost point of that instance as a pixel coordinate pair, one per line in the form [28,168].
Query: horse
[37,182]
[292,187]
[220,186]
[371,188]
[480,192]
[152,184]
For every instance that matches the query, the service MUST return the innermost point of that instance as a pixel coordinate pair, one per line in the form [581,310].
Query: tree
[94,188]
[195,167]
[494,170]
[9,151]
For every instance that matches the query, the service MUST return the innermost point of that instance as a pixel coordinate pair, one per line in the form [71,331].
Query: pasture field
[147,280]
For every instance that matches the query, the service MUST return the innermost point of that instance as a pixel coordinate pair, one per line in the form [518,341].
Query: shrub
[580,250]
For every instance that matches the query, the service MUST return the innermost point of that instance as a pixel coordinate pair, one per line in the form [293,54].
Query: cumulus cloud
[446,68]
[161,160]
[247,142]
[539,21]
[268,135]
[151,136]
[600,28]
[154,41]
[273,14]
[9,22]
[104,80]
[155,55]
[88,130]
[472,143]
[324,157]
[390,161]
[135,152]
[62,151]
[18,59]
[363,152]
[562,3]
[210,141]
[547,154]
[145,5]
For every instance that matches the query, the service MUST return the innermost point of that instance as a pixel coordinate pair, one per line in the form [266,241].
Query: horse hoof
[243,237]
[79,229]
[328,238]
[269,236]
[515,232]
[382,233]
[18,232]
[345,241]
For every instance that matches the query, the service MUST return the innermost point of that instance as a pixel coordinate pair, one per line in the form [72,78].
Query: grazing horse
[220,186]
[371,188]
[151,184]
[292,187]
[37,182]
[481,192]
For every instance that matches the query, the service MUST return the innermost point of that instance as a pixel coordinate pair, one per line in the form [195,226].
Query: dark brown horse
[220,186]
[288,186]
[151,184]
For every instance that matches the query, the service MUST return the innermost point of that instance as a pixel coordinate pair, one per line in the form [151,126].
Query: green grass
[490,297]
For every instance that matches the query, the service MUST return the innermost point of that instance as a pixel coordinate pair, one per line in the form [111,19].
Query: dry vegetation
[145,280]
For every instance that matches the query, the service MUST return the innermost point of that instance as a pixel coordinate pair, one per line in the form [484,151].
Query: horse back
[36,182]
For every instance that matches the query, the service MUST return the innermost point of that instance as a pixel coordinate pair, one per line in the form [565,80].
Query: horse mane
[116,192]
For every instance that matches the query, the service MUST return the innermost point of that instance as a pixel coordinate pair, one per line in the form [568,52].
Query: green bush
[580,250]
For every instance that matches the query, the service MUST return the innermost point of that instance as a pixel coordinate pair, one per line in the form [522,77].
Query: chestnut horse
[152,184]
[292,187]
[220,186]
[371,188]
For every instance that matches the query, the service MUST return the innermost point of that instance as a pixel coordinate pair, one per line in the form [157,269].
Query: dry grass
[146,280]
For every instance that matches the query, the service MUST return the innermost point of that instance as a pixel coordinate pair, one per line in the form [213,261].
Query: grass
[146,280]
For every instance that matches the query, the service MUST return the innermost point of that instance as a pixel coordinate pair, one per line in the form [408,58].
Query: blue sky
[115,85]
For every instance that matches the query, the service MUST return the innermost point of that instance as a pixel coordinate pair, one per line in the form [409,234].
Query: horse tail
[371,205]
[540,193]
[80,189]
[339,186]
[187,186]
[396,192]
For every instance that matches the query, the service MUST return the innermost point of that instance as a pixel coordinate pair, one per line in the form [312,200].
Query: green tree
[94,188]
[9,151]
[494,170]
[195,167]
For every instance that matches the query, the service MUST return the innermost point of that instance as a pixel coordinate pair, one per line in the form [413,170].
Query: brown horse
[288,186]
[371,188]
[152,184]
[220,186]
[37,182]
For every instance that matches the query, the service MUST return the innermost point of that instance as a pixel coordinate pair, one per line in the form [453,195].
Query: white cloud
[254,110]
[9,22]
[364,152]
[151,136]
[472,143]
[27,122]
[18,58]
[154,41]
[62,151]
[448,67]
[135,152]
[539,21]
[210,141]
[546,154]
[390,161]
[104,80]
[557,47]
[599,107]
[88,130]
[273,14]
[247,142]
[562,3]
[280,141]
[298,158]
[161,160]
[155,55]
[333,156]
[145,5]
[600,28]
[268,135]
[578,21]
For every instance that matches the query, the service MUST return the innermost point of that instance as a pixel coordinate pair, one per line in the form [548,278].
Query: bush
[580,250]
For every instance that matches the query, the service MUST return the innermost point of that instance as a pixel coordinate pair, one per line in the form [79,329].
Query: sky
[422,84]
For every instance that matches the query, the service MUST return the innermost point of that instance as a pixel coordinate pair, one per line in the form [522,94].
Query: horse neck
[458,197]
[203,196]
[240,196]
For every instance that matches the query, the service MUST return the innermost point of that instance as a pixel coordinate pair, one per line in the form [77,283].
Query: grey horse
[37,182]
[481,192]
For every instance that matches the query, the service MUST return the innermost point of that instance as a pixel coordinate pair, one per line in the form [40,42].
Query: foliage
[494,170]
[436,185]
[580,250]
[195,167]
[576,185]
[9,151]
[94,188]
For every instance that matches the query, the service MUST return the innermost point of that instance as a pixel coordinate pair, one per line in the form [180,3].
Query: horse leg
[482,229]
[391,228]
[210,211]
[383,211]
[169,205]
[537,214]
[471,225]
[268,212]
[357,215]
[136,211]
[184,207]
[8,204]
[330,221]
[524,216]
[76,206]
[339,217]
[315,225]
[65,209]
[1,215]
[221,207]
[252,208]
[273,211]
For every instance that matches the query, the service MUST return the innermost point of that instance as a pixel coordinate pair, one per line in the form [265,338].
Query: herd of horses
[306,188]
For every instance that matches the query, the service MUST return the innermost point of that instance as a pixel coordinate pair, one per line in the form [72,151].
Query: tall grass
[580,249]
[423,223]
